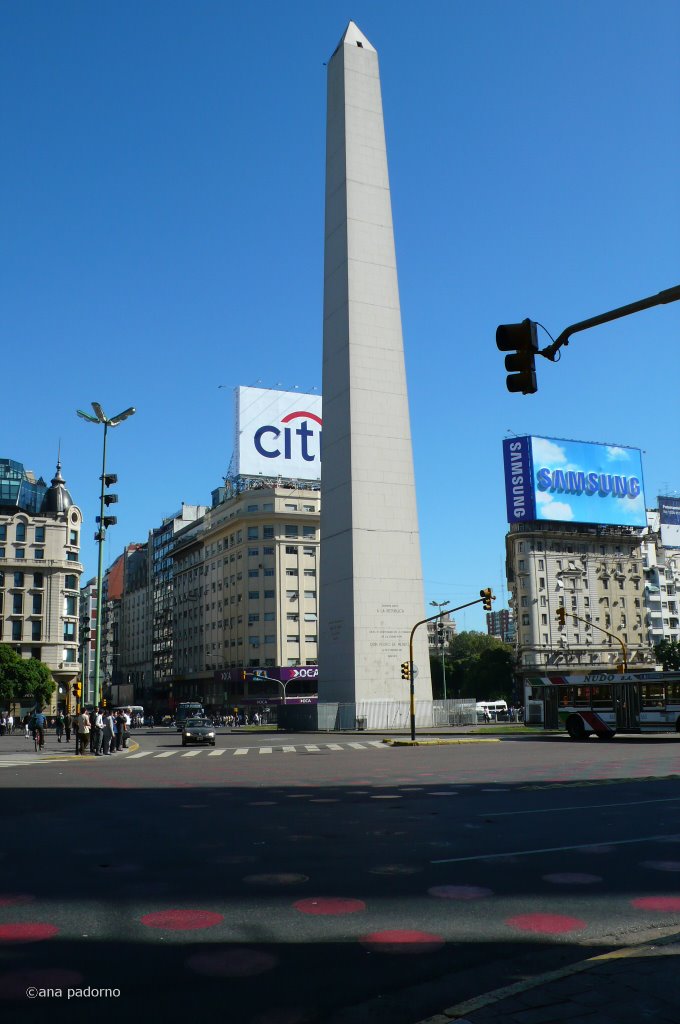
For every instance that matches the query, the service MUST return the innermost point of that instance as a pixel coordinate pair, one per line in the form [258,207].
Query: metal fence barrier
[375,714]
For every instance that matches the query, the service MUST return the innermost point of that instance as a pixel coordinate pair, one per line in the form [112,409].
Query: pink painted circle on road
[332,906]
[460,892]
[546,924]
[236,962]
[28,931]
[402,941]
[14,899]
[666,904]
[572,878]
[14,984]
[181,920]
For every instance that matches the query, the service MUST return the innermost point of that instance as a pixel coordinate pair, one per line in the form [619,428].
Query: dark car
[198,730]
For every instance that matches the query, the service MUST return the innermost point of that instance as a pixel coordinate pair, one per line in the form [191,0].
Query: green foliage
[668,653]
[480,666]
[22,680]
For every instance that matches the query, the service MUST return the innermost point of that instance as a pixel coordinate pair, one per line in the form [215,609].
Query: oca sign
[278,433]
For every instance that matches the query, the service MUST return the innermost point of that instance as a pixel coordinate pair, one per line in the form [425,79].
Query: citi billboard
[278,433]
[548,478]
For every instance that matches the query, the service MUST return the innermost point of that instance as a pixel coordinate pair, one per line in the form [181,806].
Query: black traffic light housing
[405,670]
[108,480]
[440,633]
[521,340]
[561,616]
[487,597]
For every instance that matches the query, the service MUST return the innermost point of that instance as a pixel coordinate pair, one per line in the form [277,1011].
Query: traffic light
[108,479]
[104,703]
[405,670]
[243,675]
[561,616]
[487,598]
[520,340]
[440,634]
[75,689]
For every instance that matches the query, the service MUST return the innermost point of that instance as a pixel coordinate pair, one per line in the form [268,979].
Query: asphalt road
[274,883]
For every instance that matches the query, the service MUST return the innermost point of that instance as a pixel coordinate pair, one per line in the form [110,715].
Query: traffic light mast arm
[422,622]
[668,295]
[603,630]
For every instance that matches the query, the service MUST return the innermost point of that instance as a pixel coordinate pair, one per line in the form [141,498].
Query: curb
[457,1013]
[440,743]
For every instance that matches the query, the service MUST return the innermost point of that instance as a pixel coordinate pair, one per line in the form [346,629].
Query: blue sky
[162,192]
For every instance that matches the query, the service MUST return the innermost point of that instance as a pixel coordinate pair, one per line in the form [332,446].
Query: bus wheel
[576,728]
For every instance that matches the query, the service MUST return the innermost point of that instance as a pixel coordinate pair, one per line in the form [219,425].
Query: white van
[497,710]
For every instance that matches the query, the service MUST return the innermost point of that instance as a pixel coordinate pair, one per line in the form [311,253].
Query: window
[269,594]
[270,639]
[73,536]
[269,572]
[521,565]
[270,616]
[309,532]
[291,531]
[290,550]
[69,654]
[70,605]
[40,534]
[253,573]
[253,552]
[3,532]
[18,579]
[39,553]
[2,552]
[268,532]
[21,531]
[525,620]
[17,604]
[36,629]
[310,594]
[16,629]
[310,638]
[253,595]
[71,556]
[292,572]
[37,607]
[309,572]
[293,638]
[20,552]
[267,551]
[253,533]
[253,508]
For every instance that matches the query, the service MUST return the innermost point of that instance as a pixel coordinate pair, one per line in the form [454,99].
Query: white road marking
[142,753]
[357,746]
[334,746]
[192,753]
[311,746]
[552,849]
[167,753]
[289,750]
[241,750]
[216,753]
[265,750]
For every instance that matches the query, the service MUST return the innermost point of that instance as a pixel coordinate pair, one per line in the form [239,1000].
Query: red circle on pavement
[664,903]
[27,932]
[232,963]
[182,920]
[546,924]
[13,899]
[459,892]
[14,984]
[402,941]
[331,906]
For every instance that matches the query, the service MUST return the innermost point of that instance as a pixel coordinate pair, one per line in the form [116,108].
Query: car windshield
[196,723]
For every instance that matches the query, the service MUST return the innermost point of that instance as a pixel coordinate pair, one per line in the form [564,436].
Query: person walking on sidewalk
[68,725]
[60,727]
[82,733]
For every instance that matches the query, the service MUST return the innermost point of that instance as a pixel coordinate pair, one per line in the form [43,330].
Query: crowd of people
[98,732]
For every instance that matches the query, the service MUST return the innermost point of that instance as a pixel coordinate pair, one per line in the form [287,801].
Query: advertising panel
[669,518]
[548,478]
[278,434]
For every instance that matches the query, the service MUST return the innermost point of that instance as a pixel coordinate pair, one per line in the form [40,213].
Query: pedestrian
[68,725]
[10,724]
[120,729]
[27,727]
[60,727]
[83,733]
[97,729]
[108,732]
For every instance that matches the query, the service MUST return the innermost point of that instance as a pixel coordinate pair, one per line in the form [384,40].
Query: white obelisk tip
[355,37]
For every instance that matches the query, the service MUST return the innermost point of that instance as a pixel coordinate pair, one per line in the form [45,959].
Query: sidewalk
[629,985]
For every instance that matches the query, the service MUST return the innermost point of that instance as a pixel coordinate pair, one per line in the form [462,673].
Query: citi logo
[269,440]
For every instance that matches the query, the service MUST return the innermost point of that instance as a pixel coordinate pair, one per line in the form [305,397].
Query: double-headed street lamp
[103,521]
[439,632]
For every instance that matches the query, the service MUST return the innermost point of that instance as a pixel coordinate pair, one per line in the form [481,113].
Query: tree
[481,666]
[35,681]
[668,653]
[10,663]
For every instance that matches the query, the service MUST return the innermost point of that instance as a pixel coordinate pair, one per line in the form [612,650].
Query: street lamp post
[440,605]
[104,521]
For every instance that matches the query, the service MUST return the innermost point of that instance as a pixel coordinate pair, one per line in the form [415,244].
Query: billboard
[669,520]
[548,478]
[278,434]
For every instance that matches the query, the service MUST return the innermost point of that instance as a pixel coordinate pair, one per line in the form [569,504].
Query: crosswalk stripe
[357,746]
[265,750]
[289,750]
[191,753]
[378,743]
[142,753]
[167,753]
[310,746]
[241,750]
[334,746]
[216,753]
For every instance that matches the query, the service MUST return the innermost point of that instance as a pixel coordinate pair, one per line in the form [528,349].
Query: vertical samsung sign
[519,484]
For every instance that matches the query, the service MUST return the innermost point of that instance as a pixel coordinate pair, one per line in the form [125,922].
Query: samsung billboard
[277,434]
[547,478]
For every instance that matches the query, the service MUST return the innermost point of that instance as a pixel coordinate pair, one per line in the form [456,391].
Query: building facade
[661,566]
[593,572]
[501,624]
[40,571]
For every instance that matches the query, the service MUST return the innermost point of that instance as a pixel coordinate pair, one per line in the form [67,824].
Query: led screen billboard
[669,519]
[547,478]
[278,434]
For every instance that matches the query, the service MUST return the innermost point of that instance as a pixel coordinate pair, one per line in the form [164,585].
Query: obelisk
[371,588]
